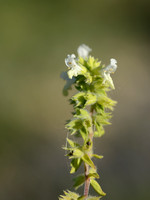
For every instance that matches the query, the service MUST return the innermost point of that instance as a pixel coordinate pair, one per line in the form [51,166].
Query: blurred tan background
[35,37]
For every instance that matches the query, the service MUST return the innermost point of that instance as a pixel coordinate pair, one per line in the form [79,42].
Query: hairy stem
[87,179]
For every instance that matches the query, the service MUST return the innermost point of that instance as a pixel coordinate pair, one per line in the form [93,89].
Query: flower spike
[92,111]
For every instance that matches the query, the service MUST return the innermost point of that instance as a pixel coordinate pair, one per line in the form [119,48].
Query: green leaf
[99,108]
[81,60]
[93,175]
[88,78]
[97,187]
[79,180]
[72,143]
[75,164]
[98,86]
[87,160]
[81,198]
[92,170]
[79,98]
[85,73]
[100,130]
[93,63]
[85,118]
[97,156]
[105,101]
[74,125]
[84,133]
[69,196]
[84,114]
[79,94]
[102,119]
[90,99]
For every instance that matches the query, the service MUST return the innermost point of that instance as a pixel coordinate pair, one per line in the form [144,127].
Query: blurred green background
[35,37]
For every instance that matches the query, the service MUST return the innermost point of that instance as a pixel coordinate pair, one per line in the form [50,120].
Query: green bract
[92,111]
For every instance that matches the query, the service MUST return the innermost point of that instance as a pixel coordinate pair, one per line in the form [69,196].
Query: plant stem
[87,179]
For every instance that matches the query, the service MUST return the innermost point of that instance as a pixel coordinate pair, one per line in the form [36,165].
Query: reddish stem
[87,179]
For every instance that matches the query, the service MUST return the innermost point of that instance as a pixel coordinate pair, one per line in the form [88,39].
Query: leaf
[79,180]
[92,63]
[75,164]
[81,60]
[98,108]
[102,119]
[83,133]
[97,156]
[79,98]
[90,99]
[97,187]
[92,170]
[79,94]
[84,114]
[100,130]
[93,175]
[85,118]
[105,101]
[99,87]
[74,125]
[72,143]
[81,198]
[69,196]
[87,160]
[88,77]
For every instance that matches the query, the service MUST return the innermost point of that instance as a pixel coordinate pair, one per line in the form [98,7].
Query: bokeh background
[35,37]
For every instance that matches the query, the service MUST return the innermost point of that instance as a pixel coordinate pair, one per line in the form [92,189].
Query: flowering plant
[92,111]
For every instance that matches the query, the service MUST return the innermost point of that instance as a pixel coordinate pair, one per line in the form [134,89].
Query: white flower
[106,71]
[111,68]
[74,68]
[83,51]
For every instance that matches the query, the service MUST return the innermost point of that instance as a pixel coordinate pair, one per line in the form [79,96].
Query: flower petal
[83,51]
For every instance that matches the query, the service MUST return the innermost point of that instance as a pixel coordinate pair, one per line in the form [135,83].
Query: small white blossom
[111,68]
[83,51]
[74,68]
